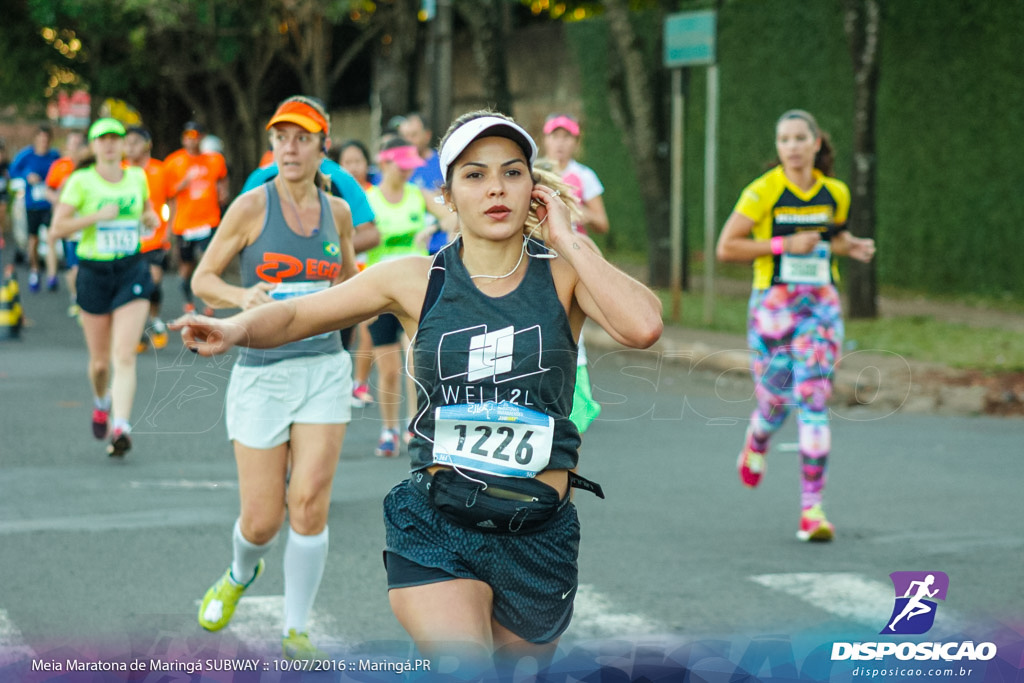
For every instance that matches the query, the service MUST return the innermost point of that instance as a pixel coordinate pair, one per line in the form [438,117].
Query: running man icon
[913,590]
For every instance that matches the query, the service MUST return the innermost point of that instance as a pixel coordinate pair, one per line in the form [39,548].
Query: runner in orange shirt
[156,245]
[74,151]
[197,185]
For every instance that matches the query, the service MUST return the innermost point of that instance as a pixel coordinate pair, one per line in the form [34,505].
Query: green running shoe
[297,646]
[220,601]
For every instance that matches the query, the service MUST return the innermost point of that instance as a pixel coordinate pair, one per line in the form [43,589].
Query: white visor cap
[485,126]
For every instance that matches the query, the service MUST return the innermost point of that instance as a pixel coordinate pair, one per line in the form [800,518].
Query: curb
[873,379]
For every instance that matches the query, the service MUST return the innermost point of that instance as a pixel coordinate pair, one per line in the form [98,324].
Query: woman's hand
[150,220]
[802,242]
[862,248]
[107,212]
[553,214]
[257,295]
[207,336]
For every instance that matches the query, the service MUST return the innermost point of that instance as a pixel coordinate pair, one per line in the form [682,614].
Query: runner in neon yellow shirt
[110,206]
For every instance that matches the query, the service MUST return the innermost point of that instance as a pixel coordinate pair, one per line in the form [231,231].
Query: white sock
[304,560]
[121,425]
[246,555]
[101,403]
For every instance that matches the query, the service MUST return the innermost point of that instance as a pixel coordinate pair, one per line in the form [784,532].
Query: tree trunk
[862,24]
[394,59]
[320,44]
[488,20]
[439,66]
[634,107]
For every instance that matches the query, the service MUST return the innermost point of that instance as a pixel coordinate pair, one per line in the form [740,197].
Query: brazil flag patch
[331,249]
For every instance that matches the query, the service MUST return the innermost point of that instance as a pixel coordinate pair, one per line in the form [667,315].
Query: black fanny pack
[498,505]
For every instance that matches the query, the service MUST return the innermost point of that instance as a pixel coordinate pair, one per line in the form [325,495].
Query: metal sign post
[689,39]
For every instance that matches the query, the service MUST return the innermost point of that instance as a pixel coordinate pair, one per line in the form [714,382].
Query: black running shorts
[533,576]
[104,286]
[385,330]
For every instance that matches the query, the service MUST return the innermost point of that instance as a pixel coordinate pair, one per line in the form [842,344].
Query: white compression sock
[246,555]
[304,560]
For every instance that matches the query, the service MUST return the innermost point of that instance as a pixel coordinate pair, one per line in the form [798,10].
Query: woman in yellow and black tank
[791,223]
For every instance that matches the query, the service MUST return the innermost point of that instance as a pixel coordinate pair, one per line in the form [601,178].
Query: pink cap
[406,157]
[562,121]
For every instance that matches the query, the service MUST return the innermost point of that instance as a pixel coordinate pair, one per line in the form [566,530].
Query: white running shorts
[264,402]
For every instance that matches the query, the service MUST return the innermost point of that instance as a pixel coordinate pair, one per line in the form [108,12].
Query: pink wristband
[778,245]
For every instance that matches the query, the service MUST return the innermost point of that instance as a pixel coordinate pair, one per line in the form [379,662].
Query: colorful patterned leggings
[795,333]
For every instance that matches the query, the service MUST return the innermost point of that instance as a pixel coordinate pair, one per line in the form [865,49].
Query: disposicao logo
[916,593]
[913,614]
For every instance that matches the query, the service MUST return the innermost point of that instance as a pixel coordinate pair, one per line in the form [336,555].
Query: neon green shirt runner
[398,224]
[88,192]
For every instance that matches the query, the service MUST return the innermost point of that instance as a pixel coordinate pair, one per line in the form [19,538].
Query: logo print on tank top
[492,355]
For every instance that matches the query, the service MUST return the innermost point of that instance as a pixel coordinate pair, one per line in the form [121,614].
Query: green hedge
[950,124]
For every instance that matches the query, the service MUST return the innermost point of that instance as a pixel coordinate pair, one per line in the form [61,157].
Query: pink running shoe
[362,393]
[751,463]
[814,526]
[100,423]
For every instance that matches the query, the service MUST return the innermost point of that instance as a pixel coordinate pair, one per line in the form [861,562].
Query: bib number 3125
[497,438]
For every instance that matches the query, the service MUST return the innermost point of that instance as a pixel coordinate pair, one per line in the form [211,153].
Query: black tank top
[502,371]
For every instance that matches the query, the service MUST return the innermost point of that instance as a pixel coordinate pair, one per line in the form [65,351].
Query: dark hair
[395,142]
[557,115]
[141,132]
[424,121]
[85,161]
[824,160]
[44,128]
[354,143]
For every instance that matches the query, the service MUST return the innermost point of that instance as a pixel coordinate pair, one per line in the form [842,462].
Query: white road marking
[594,616]
[852,596]
[12,645]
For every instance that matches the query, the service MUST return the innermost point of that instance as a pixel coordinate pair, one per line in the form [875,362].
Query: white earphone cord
[526,238]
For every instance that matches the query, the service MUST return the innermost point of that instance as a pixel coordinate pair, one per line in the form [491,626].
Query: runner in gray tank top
[288,405]
[482,540]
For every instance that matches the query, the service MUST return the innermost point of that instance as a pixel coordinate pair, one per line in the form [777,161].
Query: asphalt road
[100,551]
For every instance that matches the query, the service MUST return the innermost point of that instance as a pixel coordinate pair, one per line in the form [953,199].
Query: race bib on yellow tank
[502,438]
[814,268]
